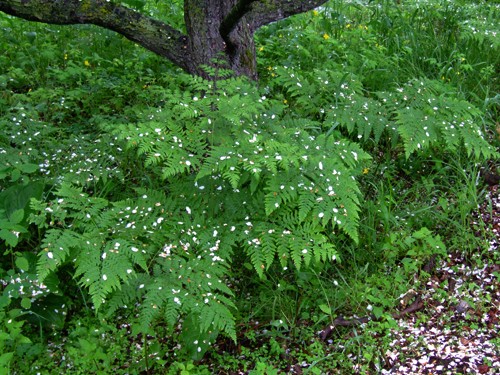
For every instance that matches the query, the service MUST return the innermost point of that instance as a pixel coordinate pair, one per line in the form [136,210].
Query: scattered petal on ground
[459,334]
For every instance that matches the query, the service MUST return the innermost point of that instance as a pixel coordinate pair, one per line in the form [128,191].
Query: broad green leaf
[422,233]
[26,303]
[377,311]
[17,216]
[10,238]
[18,196]
[15,175]
[5,359]
[22,263]
[326,309]
[28,168]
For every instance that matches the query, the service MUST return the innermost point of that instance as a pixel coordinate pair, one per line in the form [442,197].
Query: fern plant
[138,251]
[420,114]
[424,114]
[234,173]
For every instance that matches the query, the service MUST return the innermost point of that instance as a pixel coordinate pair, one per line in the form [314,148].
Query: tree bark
[218,32]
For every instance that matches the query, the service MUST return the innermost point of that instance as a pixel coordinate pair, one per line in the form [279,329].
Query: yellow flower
[285,101]
[86,63]
[261,49]
[269,68]
[65,56]
[366,170]
[326,36]
[315,13]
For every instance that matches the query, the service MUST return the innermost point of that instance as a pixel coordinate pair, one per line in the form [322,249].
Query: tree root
[341,321]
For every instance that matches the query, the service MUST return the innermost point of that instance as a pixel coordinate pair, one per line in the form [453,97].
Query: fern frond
[426,114]
[128,295]
[216,316]
[56,246]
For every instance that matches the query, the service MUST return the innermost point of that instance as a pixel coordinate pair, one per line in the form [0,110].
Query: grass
[60,83]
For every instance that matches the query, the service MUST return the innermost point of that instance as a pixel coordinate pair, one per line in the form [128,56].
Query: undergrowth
[200,227]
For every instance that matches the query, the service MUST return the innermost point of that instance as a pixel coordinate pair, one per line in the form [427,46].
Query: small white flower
[50,255]
[104,277]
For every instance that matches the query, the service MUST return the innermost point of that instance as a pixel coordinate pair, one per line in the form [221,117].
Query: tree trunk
[207,45]
[219,33]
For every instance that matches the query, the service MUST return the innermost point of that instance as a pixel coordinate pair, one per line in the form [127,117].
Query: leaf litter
[459,334]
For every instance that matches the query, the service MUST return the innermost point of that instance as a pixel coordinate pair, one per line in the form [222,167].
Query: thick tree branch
[240,9]
[216,30]
[152,34]
[263,12]
[257,13]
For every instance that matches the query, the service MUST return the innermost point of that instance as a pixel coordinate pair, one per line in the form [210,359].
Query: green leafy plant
[193,213]
[296,189]
[11,335]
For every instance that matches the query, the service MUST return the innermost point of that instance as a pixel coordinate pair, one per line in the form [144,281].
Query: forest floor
[450,324]
[457,331]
